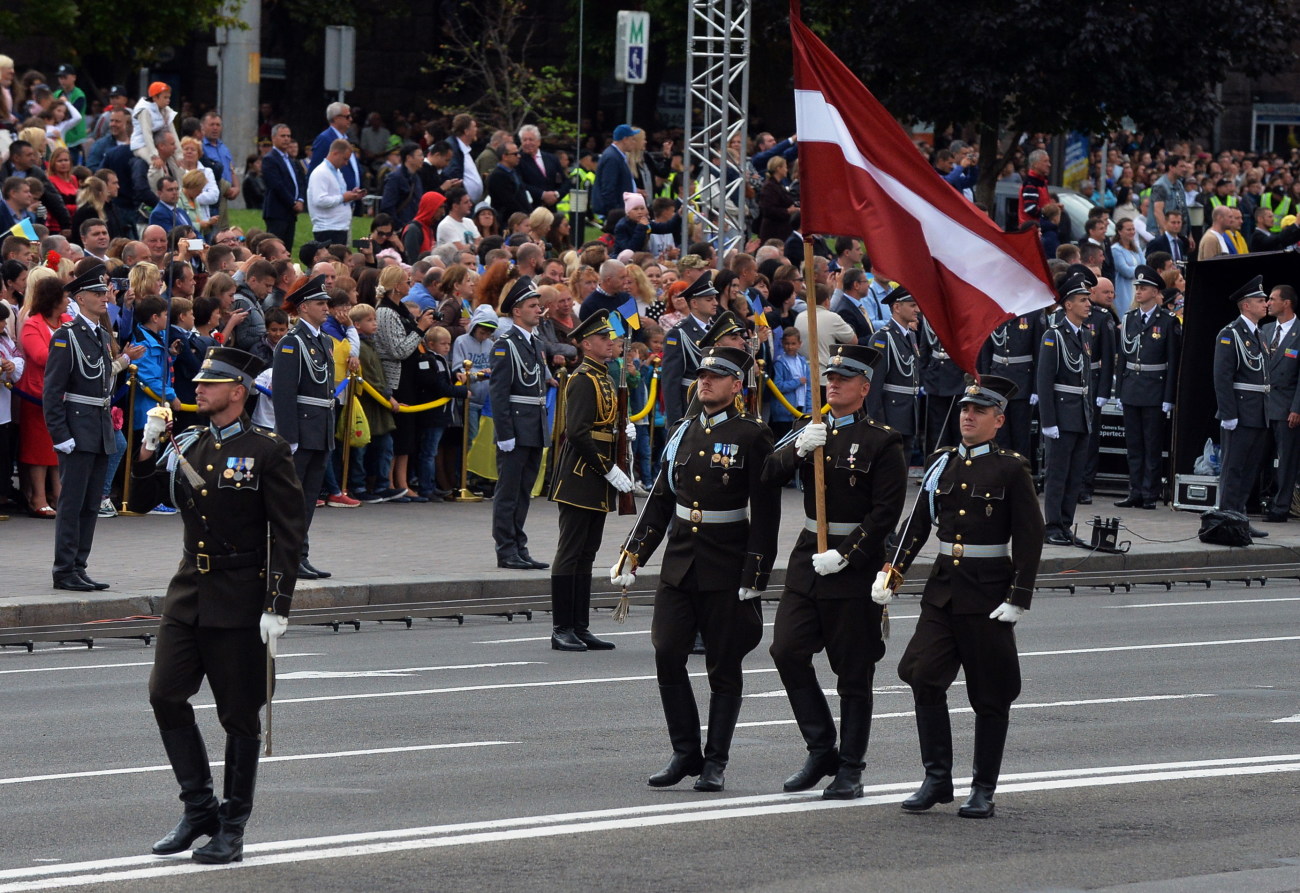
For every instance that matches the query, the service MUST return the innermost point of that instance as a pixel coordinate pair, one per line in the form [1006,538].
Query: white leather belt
[87,400]
[316,401]
[961,550]
[704,516]
[838,528]
[1007,361]
[531,401]
[1259,388]
[902,389]
[1070,389]
[1147,367]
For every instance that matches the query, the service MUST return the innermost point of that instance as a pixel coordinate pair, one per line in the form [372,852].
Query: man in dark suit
[613,176]
[518,392]
[1264,239]
[286,188]
[1172,239]
[1241,390]
[852,301]
[540,171]
[794,244]
[505,186]
[302,389]
[464,131]
[166,213]
[17,201]
[77,397]
[1282,341]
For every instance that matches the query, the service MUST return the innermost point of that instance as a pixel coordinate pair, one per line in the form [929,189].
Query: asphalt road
[1154,749]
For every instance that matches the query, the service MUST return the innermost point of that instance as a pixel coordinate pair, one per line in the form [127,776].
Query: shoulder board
[265,432]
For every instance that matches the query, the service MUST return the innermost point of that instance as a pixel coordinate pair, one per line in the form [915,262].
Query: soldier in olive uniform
[302,390]
[892,400]
[720,521]
[238,493]
[682,347]
[1065,408]
[77,398]
[1148,374]
[517,388]
[942,380]
[1241,389]
[586,476]
[825,603]
[990,540]
[1010,353]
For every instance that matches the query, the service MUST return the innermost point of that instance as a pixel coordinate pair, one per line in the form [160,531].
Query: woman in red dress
[38,463]
[64,182]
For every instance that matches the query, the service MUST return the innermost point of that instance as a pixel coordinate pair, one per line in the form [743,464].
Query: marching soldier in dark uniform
[1101,331]
[586,476]
[726,330]
[1148,374]
[302,391]
[892,400]
[825,603]
[990,541]
[238,493]
[77,398]
[721,522]
[1065,408]
[682,347]
[942,380]
[1010,353]
[518,392]
[1281,338]
[1241,389]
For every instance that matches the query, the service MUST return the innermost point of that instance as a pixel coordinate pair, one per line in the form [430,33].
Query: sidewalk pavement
[391,554]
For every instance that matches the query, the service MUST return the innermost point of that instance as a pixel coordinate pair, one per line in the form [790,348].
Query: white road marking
[832,693]
[904,713]
[402,671]
[292,758]
[630,632]
[1295,718]
[1226,601]
[1159,646]
[134,663]
[48,877]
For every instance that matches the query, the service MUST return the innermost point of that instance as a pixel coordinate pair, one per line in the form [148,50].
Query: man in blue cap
[613,173]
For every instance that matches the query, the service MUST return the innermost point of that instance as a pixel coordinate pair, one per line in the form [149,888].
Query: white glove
[67,446]
[630,430]
[829,562]
[1119,404]
[616,476]
[506,446]
[271,627]
[1166,408]
[293,448]
[1226,425]
[1101,401]
[1007,613]
[1033,399]
[154,427]
[625,579]
[746,593]
[1052,433]
[810,438]
[881,594]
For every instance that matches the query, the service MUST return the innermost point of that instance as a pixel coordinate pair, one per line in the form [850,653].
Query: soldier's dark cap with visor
[725,324]
[852,359]
[231,365]
[521,291]
[725,361]
[1145,274]
[700,288]
[310,290]
[1252,289]
[1075,284]
[596,324]
[898,295]
[94,279]
[990,390]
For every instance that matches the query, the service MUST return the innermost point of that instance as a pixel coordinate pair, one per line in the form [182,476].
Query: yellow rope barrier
[771,386]
[650,400]
[185,407]
[402,407]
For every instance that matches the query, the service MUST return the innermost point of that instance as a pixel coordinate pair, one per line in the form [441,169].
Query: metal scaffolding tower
[717,70]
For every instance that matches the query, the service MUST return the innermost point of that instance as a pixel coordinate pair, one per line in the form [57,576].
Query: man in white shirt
[457,228]
[329,198]
[94,239]
[831,329]
[464,130]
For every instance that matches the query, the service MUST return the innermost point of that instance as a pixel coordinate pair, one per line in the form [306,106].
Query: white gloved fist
[829,562]
[746,593]
[271,627]
[1033,399]
[616,476]
[67,446]
[1052,433]
[630,430]
[293,448]
[1166,408]
[1226,425]
[810,438]
[1007,613]
[881,594]
[620,577]
[506,446]
[1101,401]
[154,427]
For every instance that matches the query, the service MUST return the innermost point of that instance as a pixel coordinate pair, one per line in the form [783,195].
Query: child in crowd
[152,371]
[187,350]
[277,326]
[476,346]
[371,464]
[790,373]
[432,380]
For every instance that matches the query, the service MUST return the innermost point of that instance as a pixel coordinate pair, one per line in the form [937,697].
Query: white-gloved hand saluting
[810,438]
[1007,613]
[616,476]
[272,627]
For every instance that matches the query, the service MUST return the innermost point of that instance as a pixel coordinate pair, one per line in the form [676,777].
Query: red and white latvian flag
[861,175]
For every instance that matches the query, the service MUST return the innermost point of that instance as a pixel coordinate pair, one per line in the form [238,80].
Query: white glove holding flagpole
[810,438]
[271,627]
[616,476]
[156,424]
[829,562]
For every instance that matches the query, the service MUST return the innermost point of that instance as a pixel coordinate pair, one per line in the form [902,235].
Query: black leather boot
[189,759]
[227,845]
[582,615]
[818,729]
[683,731]
[935,732]
[990,740]
[855,730]
[562,637]
[724,710]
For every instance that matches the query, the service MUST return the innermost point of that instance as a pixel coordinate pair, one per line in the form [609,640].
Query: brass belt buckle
[203,562]
[958,550]
[696,516]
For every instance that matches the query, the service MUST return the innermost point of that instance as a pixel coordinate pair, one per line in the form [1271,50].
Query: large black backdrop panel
[1207,310]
